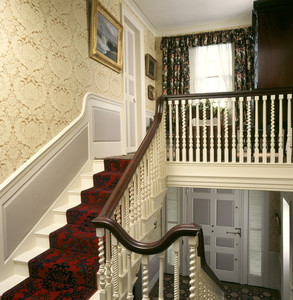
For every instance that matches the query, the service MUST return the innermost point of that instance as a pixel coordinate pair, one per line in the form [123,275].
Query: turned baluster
[241,144]
[212,144]
[108,266]
[183,130]
[204,137]
[233,130]
[177,158]
[226,127]
[272,152]
[264,134]
[256,136]
[249,129]
[289,131]
[145,277]
[197,155]
[101,272]
[161,276]
[281,136]
[176,248]
[115,257]
[219,146]
[190,132]
[170,131]
[129,276]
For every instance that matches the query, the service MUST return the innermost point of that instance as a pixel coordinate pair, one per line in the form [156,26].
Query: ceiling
[183,16]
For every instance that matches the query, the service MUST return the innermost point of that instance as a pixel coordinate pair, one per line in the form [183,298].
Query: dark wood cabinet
[273,27]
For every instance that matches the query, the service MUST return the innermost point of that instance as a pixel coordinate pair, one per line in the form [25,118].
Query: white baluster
[249,129]
[219,146]
[115,257]
[120,222]
[281,136]
[170,131]
[129,276]
[204,142]
[190,132]
[289,131]
[264,134]
[197,132]
[135,206]
[177,158]
[145,277]
[101,272]
[131,209]
[183,130]
[256,137]
[226,126]
[212,144]
[233,130]
[193,268]
[176,248]
[161,276]
[108,266]
[241,145]
[272,154]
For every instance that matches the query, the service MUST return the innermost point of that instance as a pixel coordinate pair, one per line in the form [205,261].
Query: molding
[269,177]
[142,17]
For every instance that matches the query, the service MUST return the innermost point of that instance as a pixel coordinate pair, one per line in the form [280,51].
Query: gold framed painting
[105,37]
[151,92]
[150,67]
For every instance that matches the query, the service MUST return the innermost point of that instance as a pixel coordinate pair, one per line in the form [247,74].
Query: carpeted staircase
[67,270]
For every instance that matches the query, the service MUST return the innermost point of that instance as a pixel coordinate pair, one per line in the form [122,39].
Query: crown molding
[142,17]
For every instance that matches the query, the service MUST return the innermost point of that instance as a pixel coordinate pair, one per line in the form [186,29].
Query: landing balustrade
[245,127]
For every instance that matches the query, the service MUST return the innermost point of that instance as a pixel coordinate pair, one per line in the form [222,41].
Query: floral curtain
[176,78]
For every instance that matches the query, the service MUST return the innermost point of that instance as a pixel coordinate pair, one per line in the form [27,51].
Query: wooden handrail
[258,92]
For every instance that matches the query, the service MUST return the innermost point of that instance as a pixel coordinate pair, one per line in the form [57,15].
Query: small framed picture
[105,37]
[150,67]
[151,92]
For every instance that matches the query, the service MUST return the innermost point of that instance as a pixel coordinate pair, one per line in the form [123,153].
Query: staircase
[67,270]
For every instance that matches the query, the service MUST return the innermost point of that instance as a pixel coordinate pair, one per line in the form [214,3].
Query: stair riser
[21,268]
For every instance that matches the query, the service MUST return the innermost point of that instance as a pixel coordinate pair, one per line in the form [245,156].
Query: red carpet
[68,269]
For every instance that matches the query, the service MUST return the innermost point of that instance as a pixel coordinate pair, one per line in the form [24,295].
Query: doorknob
[237,232]
[134,100]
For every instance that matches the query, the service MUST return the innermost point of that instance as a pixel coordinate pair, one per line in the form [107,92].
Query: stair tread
[10,282]
[47,230]
[64,208]
[26,256]
[43,289]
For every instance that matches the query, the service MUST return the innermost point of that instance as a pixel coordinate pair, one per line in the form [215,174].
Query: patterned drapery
[176,75]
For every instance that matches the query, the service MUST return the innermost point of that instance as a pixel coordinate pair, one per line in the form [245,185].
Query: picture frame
[106,35]
[150,67]
[151,92]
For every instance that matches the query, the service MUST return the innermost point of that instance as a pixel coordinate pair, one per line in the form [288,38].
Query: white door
[130,89]
[218,211]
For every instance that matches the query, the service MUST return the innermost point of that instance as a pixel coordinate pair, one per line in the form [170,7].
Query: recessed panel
[207,240]
[225,242]
[225,261]
[202,211]
[225,213]
[225,191]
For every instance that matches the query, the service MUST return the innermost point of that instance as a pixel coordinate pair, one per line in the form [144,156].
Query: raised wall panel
[24,209]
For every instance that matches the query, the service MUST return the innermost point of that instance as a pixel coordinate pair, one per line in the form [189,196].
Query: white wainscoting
[28,193]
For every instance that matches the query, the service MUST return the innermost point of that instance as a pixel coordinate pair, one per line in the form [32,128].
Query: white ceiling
[183,16]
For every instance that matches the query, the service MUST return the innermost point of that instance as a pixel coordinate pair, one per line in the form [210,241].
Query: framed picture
[150,66]
[105,37]
[151,92]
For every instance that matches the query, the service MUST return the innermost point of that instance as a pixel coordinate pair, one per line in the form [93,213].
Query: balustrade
[228,127]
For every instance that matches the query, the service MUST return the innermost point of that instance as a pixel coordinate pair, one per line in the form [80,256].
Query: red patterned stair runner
[68,269]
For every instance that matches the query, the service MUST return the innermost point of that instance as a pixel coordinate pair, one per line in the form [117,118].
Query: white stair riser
[42,241]
[21,268]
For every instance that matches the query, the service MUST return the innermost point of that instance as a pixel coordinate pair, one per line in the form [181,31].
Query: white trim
[142,17]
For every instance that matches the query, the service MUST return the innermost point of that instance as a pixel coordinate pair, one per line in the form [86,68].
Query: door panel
[130,89]
[218,213]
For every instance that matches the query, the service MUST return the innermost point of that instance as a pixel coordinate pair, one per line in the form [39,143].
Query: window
[211,68]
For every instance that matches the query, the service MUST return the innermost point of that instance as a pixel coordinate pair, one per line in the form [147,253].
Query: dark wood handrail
[257,92]
[104,219]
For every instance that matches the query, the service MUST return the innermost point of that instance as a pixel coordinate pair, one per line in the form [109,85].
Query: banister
[113,200]
[257,92]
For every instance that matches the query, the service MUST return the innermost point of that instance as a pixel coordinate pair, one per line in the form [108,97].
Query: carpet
[232,290]
[67,270]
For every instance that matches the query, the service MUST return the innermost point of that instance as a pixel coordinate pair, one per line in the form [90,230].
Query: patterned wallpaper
[46,71]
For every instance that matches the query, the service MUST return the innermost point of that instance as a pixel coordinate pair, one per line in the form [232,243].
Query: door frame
[129,20]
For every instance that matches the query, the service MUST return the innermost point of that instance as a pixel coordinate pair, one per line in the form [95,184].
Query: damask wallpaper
[46,71]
